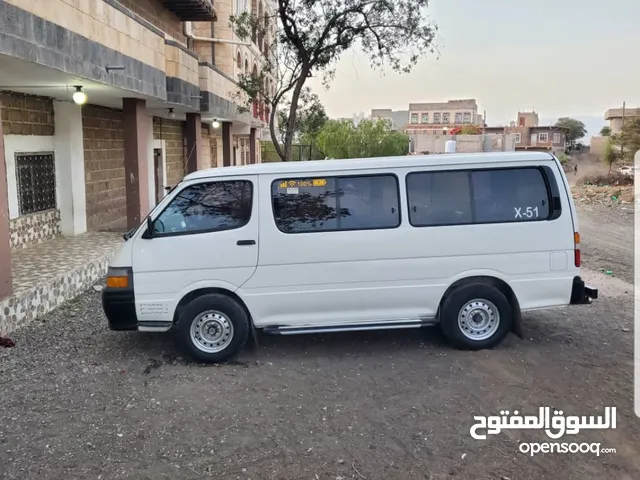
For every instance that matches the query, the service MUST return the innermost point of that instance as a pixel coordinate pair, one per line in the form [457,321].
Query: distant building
[435,118]
[398,118]
[614,115]
[529,135]
[356,118]
[598,143]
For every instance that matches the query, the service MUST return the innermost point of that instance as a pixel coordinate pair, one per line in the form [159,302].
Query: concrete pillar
[193,132]
[5,245]
[252,146]
[70,180]
[136,125]
[227,144]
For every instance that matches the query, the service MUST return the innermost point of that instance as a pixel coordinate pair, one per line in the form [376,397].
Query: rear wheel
[213,328]
[476,317]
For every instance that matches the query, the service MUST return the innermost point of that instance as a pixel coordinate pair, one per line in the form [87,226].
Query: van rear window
[461,197]
[304,205]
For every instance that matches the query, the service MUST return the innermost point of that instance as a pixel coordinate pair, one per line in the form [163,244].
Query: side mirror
[149,233]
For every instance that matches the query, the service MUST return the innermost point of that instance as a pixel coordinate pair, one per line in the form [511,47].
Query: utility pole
[622,132]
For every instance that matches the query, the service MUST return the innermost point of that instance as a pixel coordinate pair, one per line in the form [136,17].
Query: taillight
[576,249]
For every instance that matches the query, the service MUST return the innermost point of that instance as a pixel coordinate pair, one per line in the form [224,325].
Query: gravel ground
[607,236]
[78,401]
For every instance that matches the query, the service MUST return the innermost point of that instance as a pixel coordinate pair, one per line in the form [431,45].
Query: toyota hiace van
[466,241]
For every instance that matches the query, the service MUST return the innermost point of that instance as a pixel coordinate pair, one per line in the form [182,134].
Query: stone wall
[26,114]
[29,115]
[34,228]
[104,168]
[172,131]
[205,141]
[464,143]
[155,13]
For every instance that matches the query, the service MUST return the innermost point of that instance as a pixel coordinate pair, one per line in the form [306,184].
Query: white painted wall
[25,144]
[70,178]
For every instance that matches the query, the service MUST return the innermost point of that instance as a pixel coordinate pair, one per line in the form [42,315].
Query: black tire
[230,310]
[457,300]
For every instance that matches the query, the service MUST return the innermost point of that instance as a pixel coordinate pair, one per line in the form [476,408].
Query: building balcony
[192,10]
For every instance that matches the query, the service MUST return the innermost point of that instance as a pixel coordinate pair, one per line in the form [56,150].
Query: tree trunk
[272,131]
[293,111]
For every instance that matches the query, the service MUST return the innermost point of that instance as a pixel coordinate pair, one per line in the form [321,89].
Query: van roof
[370,163]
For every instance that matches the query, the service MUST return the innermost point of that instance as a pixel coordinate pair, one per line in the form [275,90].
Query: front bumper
[119,306]
[120,309]
[582,294]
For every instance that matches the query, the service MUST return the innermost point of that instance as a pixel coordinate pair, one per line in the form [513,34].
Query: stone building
[398,118]
[105,104]
[436,117]
[529,135]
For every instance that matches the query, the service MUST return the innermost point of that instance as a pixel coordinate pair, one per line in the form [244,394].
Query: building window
[425,118]
[517,137]
[207,207]
[445,119]
[543,137]
[458,117]
[414,118]
[495,196]
[557,139]
[306,205]
[467,117]
[36,182]
[436,118]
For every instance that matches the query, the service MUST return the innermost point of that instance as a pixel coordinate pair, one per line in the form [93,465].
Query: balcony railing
[192,10]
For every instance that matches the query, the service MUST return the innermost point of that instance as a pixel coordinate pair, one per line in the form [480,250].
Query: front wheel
[476,317]
[213,328]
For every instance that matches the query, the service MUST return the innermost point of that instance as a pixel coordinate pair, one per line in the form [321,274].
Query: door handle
[246,242]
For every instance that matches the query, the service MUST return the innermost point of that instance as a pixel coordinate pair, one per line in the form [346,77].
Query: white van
[468,241]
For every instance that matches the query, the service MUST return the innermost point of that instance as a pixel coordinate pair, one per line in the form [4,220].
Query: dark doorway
[157,173]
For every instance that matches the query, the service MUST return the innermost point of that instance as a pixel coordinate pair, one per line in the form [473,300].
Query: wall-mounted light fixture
[171,114]
[79,97]
[215,123]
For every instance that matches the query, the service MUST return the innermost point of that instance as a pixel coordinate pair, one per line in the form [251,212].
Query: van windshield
[132,232]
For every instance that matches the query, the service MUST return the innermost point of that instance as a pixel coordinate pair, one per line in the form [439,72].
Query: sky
[573,58]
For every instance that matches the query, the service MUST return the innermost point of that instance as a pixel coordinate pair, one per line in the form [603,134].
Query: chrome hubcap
[211,332]
[478,319]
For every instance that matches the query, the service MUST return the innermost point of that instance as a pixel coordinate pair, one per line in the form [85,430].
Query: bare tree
[305,38]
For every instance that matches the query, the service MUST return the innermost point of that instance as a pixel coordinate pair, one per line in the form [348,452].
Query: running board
[353,327]
[154,326]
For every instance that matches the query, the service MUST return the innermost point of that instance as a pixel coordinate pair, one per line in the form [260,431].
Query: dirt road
[607,236]
[80,402]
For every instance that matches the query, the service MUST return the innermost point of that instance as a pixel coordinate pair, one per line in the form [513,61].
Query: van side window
[207,207]
[510,195]
[439,198]
[336,203]
[479,196]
